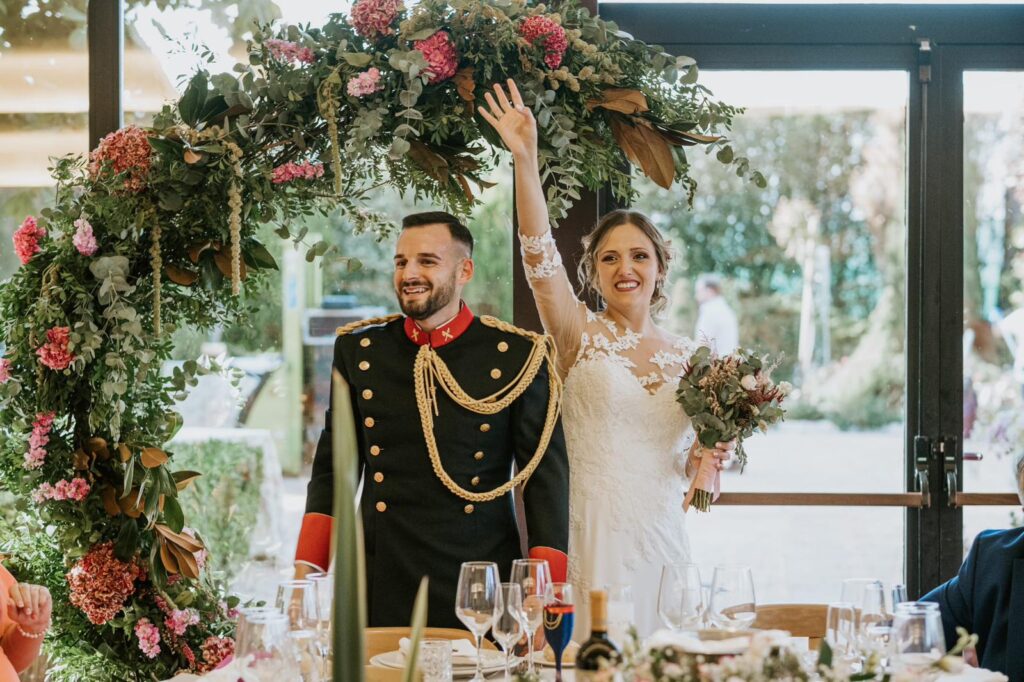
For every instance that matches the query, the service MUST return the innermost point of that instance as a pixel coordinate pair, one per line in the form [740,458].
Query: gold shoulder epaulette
[359,324]
[504,326]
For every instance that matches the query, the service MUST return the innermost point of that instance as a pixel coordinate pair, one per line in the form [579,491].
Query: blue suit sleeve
[955,597]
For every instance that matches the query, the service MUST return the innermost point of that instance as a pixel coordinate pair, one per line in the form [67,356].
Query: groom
[436,462]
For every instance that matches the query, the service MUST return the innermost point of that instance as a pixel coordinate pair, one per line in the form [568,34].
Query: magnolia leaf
[109,497]
[80,461]
[187,543]
[192,157]
[196,250]
[174,517]
[124,452]
[168,558]
[465,84]
[223,262]
[430,161]
[129,504]
[183,479]
[185,278]
[153,457]
[623,100]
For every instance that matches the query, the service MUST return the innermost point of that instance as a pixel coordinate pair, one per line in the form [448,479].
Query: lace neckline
[611,344]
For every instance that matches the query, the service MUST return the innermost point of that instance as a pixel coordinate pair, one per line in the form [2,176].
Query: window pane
[993,289]
[813,268]
[44,105]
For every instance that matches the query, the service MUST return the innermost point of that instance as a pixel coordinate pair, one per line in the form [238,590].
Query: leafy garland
[156,229]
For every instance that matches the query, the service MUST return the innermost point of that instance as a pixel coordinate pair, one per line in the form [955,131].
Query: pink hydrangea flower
[5,370]
[545,33]
[371,18]
[439,51]
[26,239]
[54,353]
[296,171]
[84,240]
[75,490]
[366,83]
[215,651]
[37,442]
[286,51]
[100,583]
[149,637]
[180,619]
[126,150]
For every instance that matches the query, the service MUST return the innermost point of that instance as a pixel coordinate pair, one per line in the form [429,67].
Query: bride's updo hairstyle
[587,270]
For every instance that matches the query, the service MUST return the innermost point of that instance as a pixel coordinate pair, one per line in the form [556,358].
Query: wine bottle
[598,658]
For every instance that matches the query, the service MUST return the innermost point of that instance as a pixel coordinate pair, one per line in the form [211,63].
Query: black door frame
[933,44]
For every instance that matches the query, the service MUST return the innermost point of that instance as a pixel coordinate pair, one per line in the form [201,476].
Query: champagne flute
[680,597]
[508,628]
[733,605]
[534,577]
[559,617]
[324,583]
[478,602]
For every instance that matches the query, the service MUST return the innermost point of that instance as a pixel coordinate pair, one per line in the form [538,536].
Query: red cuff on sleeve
[315,540]
[558,562]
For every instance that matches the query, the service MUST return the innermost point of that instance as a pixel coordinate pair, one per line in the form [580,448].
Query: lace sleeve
[562,314]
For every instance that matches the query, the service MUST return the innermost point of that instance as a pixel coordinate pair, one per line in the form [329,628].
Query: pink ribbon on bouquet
[708,478]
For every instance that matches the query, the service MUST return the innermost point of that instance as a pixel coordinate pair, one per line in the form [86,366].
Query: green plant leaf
[357,59]
[127,540]
[191,103]
[417,626]
[350,565]
[173,516]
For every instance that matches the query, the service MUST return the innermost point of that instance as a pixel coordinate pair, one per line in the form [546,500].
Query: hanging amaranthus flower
[156,262]
[235,219]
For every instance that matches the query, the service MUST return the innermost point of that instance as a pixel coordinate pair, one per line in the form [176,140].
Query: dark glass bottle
[598,657]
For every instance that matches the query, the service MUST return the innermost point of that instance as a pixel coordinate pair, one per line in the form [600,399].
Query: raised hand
[29,607]
[512,119]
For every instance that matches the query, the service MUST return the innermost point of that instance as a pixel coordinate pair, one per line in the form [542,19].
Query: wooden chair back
[383,640]
[800,620]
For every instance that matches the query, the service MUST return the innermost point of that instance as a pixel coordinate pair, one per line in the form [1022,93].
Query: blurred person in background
[716,321]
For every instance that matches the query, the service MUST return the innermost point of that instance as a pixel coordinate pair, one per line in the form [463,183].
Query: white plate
[493,661]
[540,659]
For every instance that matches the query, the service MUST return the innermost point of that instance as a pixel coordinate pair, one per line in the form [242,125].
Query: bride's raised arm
[561,312]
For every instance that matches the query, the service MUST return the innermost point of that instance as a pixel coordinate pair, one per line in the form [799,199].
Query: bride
[626,436]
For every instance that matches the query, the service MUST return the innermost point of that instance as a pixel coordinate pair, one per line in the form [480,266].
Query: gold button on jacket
[379,477]
[381,506]
[469,508]
[374,450]
[369,422]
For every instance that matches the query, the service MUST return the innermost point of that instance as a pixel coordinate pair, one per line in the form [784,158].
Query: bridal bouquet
[727,397]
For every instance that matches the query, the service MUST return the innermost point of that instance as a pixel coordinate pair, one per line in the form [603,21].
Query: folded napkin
[969,674]
[692,643]
[463,651]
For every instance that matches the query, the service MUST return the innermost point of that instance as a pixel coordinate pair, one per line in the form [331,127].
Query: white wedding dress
[626,438]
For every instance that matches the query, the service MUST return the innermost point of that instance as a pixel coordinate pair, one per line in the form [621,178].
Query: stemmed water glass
[534,577]
[559,617]
[264,647]
[507,628]
[732,604]
[478,602]
[324,591]
[840,628]
[297,600]
[680,597]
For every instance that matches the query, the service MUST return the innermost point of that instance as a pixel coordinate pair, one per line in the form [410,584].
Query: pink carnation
[374,17]
[296,171]
[26,239]
[286,51]
[54,353]
[545,33]
[180,619]
[75,490]
[215,651]
[5,370]
[100,583]
[126,151]
[149,637]
[439,51]
[37,442]
[84,239]
[366,83]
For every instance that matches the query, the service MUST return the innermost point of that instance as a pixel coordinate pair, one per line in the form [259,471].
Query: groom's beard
[436,299]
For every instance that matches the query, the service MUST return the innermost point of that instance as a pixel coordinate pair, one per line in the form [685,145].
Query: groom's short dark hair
[459,232]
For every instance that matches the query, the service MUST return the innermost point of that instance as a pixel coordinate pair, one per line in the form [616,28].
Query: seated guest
[987,596]
[24,619]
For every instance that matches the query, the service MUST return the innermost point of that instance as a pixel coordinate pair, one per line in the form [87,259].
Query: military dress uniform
[424,517]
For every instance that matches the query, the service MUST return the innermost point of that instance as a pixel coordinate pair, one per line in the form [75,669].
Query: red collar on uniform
[446,333]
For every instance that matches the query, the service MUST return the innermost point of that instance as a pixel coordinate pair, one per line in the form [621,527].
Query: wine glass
[478,602]
[559,617]
[264,649]
[840,628]
[534,577]
[621,612]
[324,583]
[917,638]
[297,600]
[507,628]
[680,597]
[733,605]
